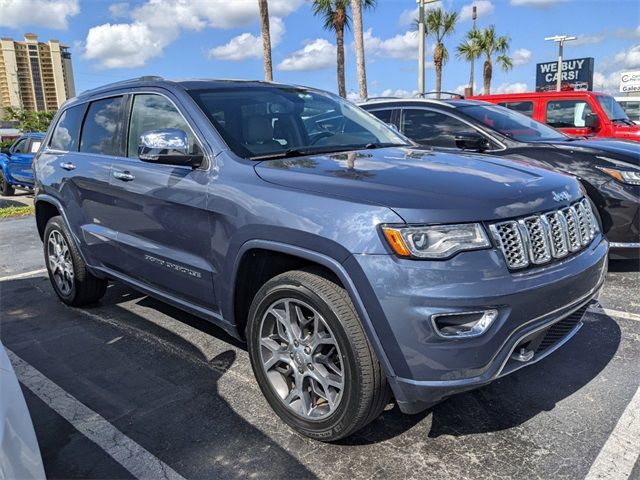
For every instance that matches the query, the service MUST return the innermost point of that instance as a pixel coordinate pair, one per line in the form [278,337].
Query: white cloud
[119,10]
[38,13]
[123,45]
[247,45]
[629,58]
[535,3]
[587,40]
[461,88]
[315,55]
[409,17]
[401,93]
[607,83]
[517,87]
[402,46]
[483,9]
[157,23]
[628,32]
[521,56]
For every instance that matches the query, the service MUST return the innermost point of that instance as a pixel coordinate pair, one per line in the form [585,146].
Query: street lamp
[560,39]
[421,44]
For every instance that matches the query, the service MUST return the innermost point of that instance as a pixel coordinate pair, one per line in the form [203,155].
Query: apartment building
[35,75]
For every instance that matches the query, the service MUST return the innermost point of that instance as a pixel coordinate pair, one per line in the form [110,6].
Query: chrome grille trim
[539,239]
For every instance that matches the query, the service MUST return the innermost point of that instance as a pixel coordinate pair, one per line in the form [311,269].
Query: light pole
[421,44]
[560,39]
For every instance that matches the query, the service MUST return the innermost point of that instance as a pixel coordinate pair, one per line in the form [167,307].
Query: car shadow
[624,266]
[172,401]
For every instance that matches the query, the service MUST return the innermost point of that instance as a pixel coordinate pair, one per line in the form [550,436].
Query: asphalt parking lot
[134,388]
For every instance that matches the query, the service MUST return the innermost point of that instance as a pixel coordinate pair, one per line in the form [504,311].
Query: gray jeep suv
[357,267]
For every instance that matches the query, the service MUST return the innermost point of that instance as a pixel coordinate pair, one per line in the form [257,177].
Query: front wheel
[6,189]
[311,357]
[69,276]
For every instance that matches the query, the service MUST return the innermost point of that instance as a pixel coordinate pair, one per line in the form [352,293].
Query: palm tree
[266,39]
[356,7]
[491,44]
[336,18]
[440,24]
[469,50]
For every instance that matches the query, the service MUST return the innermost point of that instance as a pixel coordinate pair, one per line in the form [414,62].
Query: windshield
[272,121]
[612,108]
[512,124]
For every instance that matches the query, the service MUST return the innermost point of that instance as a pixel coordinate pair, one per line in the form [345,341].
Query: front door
[164,231]
[569,116]
[20,160]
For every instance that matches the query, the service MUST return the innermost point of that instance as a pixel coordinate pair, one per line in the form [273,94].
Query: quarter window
[102,127]
[433,128]
[65,135]
[154,112]
[568,113]
[526,108]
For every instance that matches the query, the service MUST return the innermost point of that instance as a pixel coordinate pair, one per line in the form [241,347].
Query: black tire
[6,189]
[85,287]
[366,391]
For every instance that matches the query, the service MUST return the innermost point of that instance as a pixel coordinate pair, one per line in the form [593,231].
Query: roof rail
[457,96]
[123,83]
[380,98]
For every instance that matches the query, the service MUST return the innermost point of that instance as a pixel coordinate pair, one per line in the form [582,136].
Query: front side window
[154,112]
[21,146]
[274,121]
[512,124]
[433,128]
[65,135]
[102,127]
[525,108]
[384,115]
[568,113]
[612,108]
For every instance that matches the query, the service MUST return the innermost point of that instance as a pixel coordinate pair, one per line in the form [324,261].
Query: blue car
[15,163]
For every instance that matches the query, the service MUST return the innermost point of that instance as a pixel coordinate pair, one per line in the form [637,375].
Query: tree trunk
[437,62]
[356,9]
[487,73]
[266,39]
[342,90]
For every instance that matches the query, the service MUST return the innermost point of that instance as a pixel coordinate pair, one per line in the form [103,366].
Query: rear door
[164,230]
[568,115]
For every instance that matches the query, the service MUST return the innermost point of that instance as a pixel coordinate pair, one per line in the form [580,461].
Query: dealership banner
[577,74]
[630,81]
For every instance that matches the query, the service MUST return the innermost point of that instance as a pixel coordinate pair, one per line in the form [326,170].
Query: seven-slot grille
[538,239]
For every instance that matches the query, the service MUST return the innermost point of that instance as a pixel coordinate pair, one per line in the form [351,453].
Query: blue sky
[114,40]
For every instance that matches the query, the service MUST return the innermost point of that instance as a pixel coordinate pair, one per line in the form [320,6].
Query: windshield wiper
[626,121]
[299,152]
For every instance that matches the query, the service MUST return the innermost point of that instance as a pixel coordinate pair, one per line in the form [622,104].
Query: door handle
[124,176]
[68,166]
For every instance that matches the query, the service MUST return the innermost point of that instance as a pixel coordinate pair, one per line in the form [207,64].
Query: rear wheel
[68,273]
[311,356]
[6,189]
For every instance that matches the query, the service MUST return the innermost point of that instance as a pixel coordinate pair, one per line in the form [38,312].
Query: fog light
[463,324]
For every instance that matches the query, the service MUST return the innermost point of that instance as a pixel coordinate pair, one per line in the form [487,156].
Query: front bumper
[428,368]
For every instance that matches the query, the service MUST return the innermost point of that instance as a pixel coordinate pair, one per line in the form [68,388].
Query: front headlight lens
[435,241]
[625,176]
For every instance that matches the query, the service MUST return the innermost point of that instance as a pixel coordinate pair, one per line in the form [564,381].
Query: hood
[622,150]
[424,186]
[631,132]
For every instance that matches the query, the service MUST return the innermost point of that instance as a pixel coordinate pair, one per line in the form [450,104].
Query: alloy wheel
[60,262]
[301,358]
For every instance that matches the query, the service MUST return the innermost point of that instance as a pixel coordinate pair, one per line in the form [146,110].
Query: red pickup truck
[588,114]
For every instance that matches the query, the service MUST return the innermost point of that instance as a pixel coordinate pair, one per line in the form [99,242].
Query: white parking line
[121,448]
[17,276]
[615,313]
[622,449]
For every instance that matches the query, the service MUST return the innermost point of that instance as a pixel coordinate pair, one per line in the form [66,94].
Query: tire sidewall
[334,425]
[56,224]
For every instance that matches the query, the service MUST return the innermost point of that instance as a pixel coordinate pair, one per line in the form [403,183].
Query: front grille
[560,330]
[539,239]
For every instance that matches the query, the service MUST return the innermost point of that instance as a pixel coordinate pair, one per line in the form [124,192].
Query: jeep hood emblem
[558,197]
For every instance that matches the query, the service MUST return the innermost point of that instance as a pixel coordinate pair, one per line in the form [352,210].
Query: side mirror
[592,121]
[471,141]
[167,146]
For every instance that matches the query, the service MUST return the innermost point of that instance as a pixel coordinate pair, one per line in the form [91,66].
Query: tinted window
[612,108]
[526,108]
[269,120]
[65,136]
[433,128]
[102,127]
[384,115]
[21,146]
[154,112]
[567,113]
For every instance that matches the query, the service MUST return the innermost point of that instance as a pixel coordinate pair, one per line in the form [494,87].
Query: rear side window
[384,115]
[65,135]
[526,108]
[102,127]
[433,128]
[567,113]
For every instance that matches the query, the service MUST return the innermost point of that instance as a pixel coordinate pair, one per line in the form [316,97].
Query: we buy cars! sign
[577,74]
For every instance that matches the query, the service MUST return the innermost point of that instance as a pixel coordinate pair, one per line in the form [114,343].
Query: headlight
[435,241]
[625,176]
